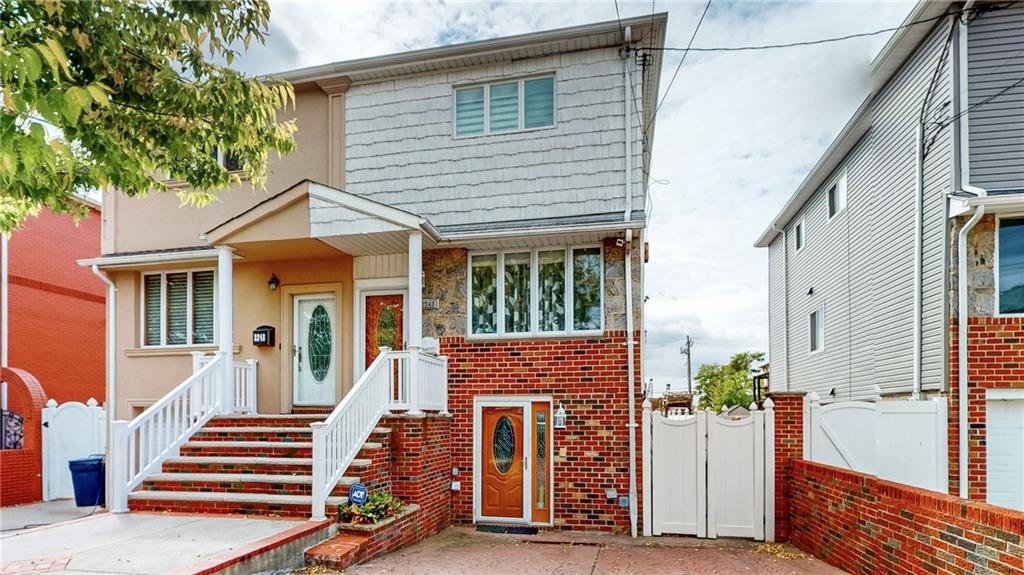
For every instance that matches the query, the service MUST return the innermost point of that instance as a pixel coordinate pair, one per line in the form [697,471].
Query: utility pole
[685,350]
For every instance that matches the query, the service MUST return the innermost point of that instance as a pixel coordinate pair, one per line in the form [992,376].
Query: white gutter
[627,84]
[918,217]
[110,401]
[198,254]
[4,306]
[630,342]
[963,314]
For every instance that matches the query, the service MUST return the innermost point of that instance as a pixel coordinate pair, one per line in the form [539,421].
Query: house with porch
[457,242]
[896,269]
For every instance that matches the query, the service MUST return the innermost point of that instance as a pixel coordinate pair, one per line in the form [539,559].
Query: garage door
[1005,423]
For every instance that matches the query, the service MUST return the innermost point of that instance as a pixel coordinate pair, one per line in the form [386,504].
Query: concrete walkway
[40,514]
[137,543]
[462,550]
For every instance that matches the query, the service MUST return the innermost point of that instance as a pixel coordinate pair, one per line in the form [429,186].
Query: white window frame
[800,235]
[522,109]
[995,262]
[841,187]
[534,331]
[820,310]
[163,309]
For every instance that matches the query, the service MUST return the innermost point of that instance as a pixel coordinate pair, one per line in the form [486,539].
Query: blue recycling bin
[87,477]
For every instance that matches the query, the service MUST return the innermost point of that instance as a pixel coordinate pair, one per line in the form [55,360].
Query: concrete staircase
[254,465]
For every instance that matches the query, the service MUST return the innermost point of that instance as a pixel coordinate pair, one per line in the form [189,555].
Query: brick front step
[249,448]
[240,483]
[312,409]
[282,434]
[284,420]
[235,503]
[258,465]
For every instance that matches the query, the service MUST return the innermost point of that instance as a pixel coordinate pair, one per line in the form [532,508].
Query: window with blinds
[504,107]
[178,308]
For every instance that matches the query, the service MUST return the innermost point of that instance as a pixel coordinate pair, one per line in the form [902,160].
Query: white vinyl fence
[71,430]
[709,475]
[897,440]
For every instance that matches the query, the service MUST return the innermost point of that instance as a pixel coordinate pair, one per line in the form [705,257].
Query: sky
[735,135]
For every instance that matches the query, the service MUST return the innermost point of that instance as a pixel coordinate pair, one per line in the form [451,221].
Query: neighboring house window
[800,227]
[505,106]
[227,160]
[1010,264]
[816,330]
[536,292]
[837,196]
[178,308]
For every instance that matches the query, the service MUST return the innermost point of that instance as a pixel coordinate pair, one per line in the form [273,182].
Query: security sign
[357,494]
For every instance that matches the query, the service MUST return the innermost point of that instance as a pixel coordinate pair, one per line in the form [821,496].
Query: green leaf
[59,55]
[33,65]
[98,95]
[47,55]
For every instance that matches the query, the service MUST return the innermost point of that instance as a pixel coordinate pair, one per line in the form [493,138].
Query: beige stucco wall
[145,375]
[158,222]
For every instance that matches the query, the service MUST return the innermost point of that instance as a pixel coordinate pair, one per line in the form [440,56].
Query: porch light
[274,282]
[560,417]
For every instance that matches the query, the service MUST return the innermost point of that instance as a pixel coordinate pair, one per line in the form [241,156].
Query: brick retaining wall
[866,525]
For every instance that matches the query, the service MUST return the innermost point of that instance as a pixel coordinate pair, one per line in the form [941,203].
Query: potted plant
[378,507]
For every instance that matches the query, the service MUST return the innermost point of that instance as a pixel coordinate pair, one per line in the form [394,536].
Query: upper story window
[178,308]
[227,160]
[502,107]
[837,196]
[1010,266]
[536,292]
[816,330]
[801,229]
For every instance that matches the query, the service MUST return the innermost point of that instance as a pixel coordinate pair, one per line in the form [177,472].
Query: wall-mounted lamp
[560,417]
[273,283]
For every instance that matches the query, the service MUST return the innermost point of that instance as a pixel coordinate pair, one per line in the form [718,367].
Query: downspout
[3,302]
[110,401]
[918,217]
[962,314]
[630,352]
[627,83]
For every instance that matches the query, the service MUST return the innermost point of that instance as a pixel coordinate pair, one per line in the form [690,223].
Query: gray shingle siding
[400,149]
[860,263]
[995,61]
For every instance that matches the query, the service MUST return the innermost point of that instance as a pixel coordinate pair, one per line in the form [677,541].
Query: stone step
[241,483]
[234,503]
[267,420]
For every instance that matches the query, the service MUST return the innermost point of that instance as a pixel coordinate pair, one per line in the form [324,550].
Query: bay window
[536,292]
[178,308]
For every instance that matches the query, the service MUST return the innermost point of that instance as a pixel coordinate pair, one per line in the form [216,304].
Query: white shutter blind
[539,103]
[177,309]
[469,111]
[151,295]
[202,307]
[504,107]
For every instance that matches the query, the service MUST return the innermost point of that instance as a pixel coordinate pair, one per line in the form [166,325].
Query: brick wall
[57,312]
[995,356]
[21,469]
[421,466]
[865,525]
[586,375]
[789,447]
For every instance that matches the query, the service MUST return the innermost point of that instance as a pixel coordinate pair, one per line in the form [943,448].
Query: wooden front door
[383,317]
[502,462]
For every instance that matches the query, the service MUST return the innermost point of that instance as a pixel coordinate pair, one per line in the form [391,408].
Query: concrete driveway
[463,550]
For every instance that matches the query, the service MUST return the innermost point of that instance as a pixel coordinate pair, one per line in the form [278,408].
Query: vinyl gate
[70,431]
[709,475]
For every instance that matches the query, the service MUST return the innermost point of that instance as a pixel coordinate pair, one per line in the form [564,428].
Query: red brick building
[53,329]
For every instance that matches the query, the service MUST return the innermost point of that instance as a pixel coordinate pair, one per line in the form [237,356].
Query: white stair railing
[245,381]
[140,446]
[396,380]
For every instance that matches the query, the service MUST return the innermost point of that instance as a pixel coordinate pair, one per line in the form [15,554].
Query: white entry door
[1005,443]
[315,351]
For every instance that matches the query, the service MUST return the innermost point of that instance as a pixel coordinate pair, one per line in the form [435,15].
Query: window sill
[483,337]
[170,351]
[179,184]
[506,133]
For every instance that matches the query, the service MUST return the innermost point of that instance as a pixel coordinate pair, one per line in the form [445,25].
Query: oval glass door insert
[320,342]
[503,447]
[387,329]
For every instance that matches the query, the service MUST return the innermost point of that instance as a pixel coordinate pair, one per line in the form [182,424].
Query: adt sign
[357,494]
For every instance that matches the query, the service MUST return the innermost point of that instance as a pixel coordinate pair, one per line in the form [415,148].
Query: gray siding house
[864,267]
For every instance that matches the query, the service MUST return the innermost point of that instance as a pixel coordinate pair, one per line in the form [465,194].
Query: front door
[514,464]
[315,350]
[383,318]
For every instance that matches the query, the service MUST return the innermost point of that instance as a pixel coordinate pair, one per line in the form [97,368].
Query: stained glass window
[517,293]
[503,445]
[320,341]
[541,460]
[484,293]
[551,292]
[586,288]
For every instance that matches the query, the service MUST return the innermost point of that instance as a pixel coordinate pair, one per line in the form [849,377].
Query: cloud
[735,136]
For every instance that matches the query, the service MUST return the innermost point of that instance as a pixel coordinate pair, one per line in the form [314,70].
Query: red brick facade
[789,447]
[57,312]
[995,357]
[865,525]
[421,467]
[588,376]
[21,469]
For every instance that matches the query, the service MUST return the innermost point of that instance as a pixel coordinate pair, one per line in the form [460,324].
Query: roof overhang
[1004,203]
[903,43]
[131,260]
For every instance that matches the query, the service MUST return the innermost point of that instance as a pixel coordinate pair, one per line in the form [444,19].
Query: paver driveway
[461,550]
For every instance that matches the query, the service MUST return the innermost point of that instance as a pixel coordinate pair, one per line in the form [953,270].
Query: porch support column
[225,323]
[415,312]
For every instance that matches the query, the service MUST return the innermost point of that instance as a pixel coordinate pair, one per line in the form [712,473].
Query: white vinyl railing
[140,446]
[396,380]
[245,381]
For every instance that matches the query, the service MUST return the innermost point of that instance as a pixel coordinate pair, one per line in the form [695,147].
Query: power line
[678,67]
[1019,82]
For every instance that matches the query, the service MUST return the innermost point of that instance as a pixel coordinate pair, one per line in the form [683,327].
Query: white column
[415,312]
[225,324]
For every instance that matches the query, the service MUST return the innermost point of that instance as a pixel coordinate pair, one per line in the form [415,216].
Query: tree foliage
[730,384]
[126,94]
